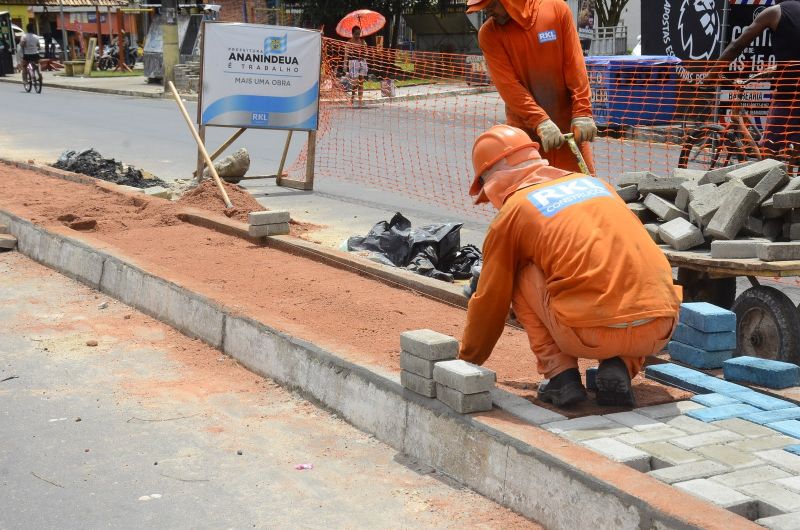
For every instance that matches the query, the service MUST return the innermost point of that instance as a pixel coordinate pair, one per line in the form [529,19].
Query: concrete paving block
[787,481]
[746,428]
[752,174]
[794,231]
[720,341]
[787,427]
[779,251]
[8,242]
[429,345]
[4,229]
[523,409]
[696,357]
[158,191]
[464,377]
[663,209]
[707,317]
[268,217]
[649,436]
[773,499]
[737,205]
[752,475]
[704,203]
[714,400]
[792,216]
[786,200]
[762,372]
[753,227]
[722,412]
[761,401]
[720,175]
[666,187]
[652,231]
[728,456]
[684,194]
[636,421]
[767,210]
[591,378]
[628,193]
[717,437]
[583,423]
[788,521]
[772,229]
[782,459]
[416,365]
[721,495]
[620,452]
[762,443]
[418,384]
[464,403]
[771,416]
[775,179]
[278,229]
[664,454]
[582,435]
[641,212]
[691,425]
[632,178]
[736,248]
[689,471]
[680,234]
[688,174]
[668,410]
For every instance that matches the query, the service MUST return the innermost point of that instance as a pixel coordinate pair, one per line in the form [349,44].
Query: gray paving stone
[664,454]
[268,217]
[4,228]
[736,248]
[582,423]
[641,212]
[680,234]
[684,192]
[707,438]
[666,187]
[523,409]
[420,385]
[789,482]
[277,229]
[690,425]
[668,410]
[663,209]
[464,377]
[789,521]
[752,174]
[787,200]
[751,475]
[782,459]
[416,365]
[747,429]
[794,231]
[779,251]
[773,499]
[429,344]
[651,435]
[720,175]
[737,204]
[753,227]
[772,228]
[636,421]
[729,456]
[772,181]
[464,403]
[628,193]
[703,204]
[620,452]
[652,231]
[720,495]
[590,434]
[7,241]
[767,210]
[690,174]
[634,177]
[690,471]
[765,443]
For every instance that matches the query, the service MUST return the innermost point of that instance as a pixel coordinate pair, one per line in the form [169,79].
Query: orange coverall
[537,64]
[584,277]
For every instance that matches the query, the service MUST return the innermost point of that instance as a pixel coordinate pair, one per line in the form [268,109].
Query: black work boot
[564,389]
[614,384]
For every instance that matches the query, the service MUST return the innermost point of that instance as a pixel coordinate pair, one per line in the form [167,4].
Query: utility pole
[169,10]
[63,31]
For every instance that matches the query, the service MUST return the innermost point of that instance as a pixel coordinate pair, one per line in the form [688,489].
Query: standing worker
[535,60]
[783,120]
[580,271]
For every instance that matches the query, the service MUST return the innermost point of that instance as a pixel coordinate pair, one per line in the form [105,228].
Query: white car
[18,32]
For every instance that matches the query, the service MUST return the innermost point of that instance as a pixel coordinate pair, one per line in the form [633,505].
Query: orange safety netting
[421,112]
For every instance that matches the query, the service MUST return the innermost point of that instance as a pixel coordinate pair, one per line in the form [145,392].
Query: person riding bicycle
[29,46]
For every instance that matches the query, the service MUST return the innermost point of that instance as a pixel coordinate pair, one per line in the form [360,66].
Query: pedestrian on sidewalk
[579,270]
[356,62]
[535,60]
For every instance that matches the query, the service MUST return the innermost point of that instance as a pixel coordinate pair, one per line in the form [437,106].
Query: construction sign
[260,76]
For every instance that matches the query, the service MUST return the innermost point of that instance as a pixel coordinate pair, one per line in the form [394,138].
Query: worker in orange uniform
[535,60]
[578,268]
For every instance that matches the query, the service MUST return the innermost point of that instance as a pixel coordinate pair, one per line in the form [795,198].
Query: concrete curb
[97,90]
[520,466]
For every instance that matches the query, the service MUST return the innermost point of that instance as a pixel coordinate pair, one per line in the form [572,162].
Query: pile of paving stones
[748,210]
[92,163]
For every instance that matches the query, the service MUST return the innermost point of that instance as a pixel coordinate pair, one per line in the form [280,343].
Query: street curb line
[112,91]
[543,477]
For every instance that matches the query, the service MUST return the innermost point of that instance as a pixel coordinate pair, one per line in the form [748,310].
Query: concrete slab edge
[526,478]
[112,91]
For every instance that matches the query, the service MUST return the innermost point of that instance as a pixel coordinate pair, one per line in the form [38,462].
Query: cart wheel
[698,287]
[767,325]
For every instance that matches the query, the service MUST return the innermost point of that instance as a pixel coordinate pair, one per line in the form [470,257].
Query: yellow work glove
[584,129]
[550,135]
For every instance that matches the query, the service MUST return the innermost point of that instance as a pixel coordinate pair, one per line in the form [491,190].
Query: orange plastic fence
[404,122]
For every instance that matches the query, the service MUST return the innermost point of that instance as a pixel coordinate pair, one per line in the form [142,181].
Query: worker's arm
[516,97]
[488,307]
[768,18]
[575,76]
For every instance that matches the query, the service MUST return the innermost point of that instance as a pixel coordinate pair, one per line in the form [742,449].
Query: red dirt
[356,317]
[208,197]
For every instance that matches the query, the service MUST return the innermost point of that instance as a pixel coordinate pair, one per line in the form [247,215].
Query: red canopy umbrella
[369,21]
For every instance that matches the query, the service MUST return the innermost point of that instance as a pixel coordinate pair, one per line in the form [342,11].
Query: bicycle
[33,79]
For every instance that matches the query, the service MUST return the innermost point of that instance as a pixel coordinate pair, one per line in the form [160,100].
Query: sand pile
[207,197]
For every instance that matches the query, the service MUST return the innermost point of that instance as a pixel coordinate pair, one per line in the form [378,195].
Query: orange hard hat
[477,5]
[497,143]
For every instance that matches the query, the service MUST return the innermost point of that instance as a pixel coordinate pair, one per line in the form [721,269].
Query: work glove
[550,135]
[584,129]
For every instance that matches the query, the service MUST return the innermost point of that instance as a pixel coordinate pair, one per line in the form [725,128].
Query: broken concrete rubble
[232,168]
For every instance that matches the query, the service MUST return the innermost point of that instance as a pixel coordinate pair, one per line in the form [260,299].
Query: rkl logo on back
[552,199]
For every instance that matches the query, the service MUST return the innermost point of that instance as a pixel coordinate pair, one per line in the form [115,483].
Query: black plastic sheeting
[431,250]
[92,163]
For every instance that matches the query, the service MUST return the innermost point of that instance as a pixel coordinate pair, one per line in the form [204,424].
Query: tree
[609,12]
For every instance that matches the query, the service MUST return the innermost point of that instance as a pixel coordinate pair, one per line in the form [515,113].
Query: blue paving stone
[762,372]
[591,378]
[720,386]
[794,449]
[725,340]
[723,412]
[697,358]
[707,317]
[772,416]
[714,400]
[677,376]
[761,401]
[787,427]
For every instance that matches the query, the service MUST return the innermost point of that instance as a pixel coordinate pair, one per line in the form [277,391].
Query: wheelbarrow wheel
[698,287]
[767,325]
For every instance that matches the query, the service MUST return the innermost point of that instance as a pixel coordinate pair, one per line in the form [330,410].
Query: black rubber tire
[37,81]
[698,287]
[767,325]
[27,83]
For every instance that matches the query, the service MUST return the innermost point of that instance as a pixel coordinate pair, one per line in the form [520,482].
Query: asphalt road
[150,429]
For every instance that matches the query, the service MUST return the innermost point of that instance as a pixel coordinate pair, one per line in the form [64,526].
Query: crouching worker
[578,268]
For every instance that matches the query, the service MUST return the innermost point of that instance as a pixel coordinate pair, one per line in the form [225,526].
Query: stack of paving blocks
[756,202]
[420,350]
[268,223]
[705,337]
[464,387]
[7,241]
